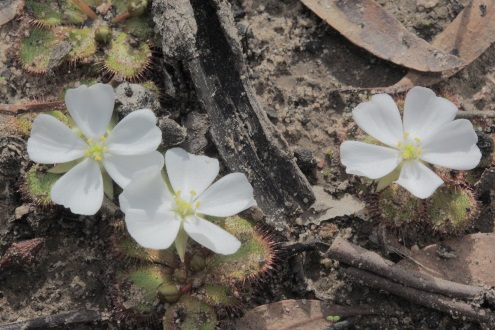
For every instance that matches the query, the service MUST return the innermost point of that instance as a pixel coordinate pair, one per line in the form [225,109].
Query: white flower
[156,216]
[429,135]
[128,148]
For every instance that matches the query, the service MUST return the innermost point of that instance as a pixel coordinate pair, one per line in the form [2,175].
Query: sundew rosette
[428,133]
[159,213]
[93,150]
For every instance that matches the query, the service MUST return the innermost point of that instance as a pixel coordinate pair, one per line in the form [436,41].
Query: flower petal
[453,146]
[211,236]
[91,108]
[188,172]
[80,189]
[380,118]
[122,168]
[424,112]
[157,232]
[228,196]
[136,134]
[146,191]
[418,179]
[52,142]
[368,160]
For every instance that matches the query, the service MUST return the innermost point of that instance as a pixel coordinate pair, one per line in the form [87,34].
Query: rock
[22,211]
[486,145]
[131,97]
[426,4]
[197,124]
[172,133]
[305,159]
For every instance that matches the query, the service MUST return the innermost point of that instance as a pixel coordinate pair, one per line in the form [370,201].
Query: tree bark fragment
[201,34]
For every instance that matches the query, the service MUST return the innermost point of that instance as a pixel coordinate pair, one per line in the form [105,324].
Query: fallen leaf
[468,259]
[468,36]
[366,24]
[9,9]
[297,314]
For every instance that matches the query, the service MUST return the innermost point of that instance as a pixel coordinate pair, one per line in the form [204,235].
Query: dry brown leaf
[9,9]
[296,314]
[368,25]
[468,36]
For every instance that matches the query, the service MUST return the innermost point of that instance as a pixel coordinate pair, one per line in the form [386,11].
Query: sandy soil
[297,66]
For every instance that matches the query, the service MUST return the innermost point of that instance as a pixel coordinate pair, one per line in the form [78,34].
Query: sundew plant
[428,134]
[158,212]
[163,207]
[92,152]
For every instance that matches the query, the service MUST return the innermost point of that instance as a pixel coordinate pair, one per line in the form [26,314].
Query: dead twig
[62,319]
[354,255]
[441,303]
[475,114]
[85,8]
[17,109]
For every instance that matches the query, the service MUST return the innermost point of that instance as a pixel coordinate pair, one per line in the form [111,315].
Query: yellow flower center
[410,148]
[185,207]
[96,149]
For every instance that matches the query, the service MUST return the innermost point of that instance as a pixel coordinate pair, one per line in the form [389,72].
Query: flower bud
[168,293]
[180,275]
[198,263]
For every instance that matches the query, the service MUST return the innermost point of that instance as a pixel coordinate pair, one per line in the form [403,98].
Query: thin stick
[85,8]
[121,17]
[476,114]
[107,7]
[16,109]
[354,255]
[432,300]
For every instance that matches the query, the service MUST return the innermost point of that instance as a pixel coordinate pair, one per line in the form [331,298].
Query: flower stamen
[96,149]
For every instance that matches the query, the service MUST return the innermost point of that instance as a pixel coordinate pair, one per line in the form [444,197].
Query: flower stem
[85,8]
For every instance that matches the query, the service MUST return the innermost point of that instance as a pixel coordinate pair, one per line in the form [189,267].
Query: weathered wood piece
[354,255]
[454,307]
[372,270]
[201,35]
